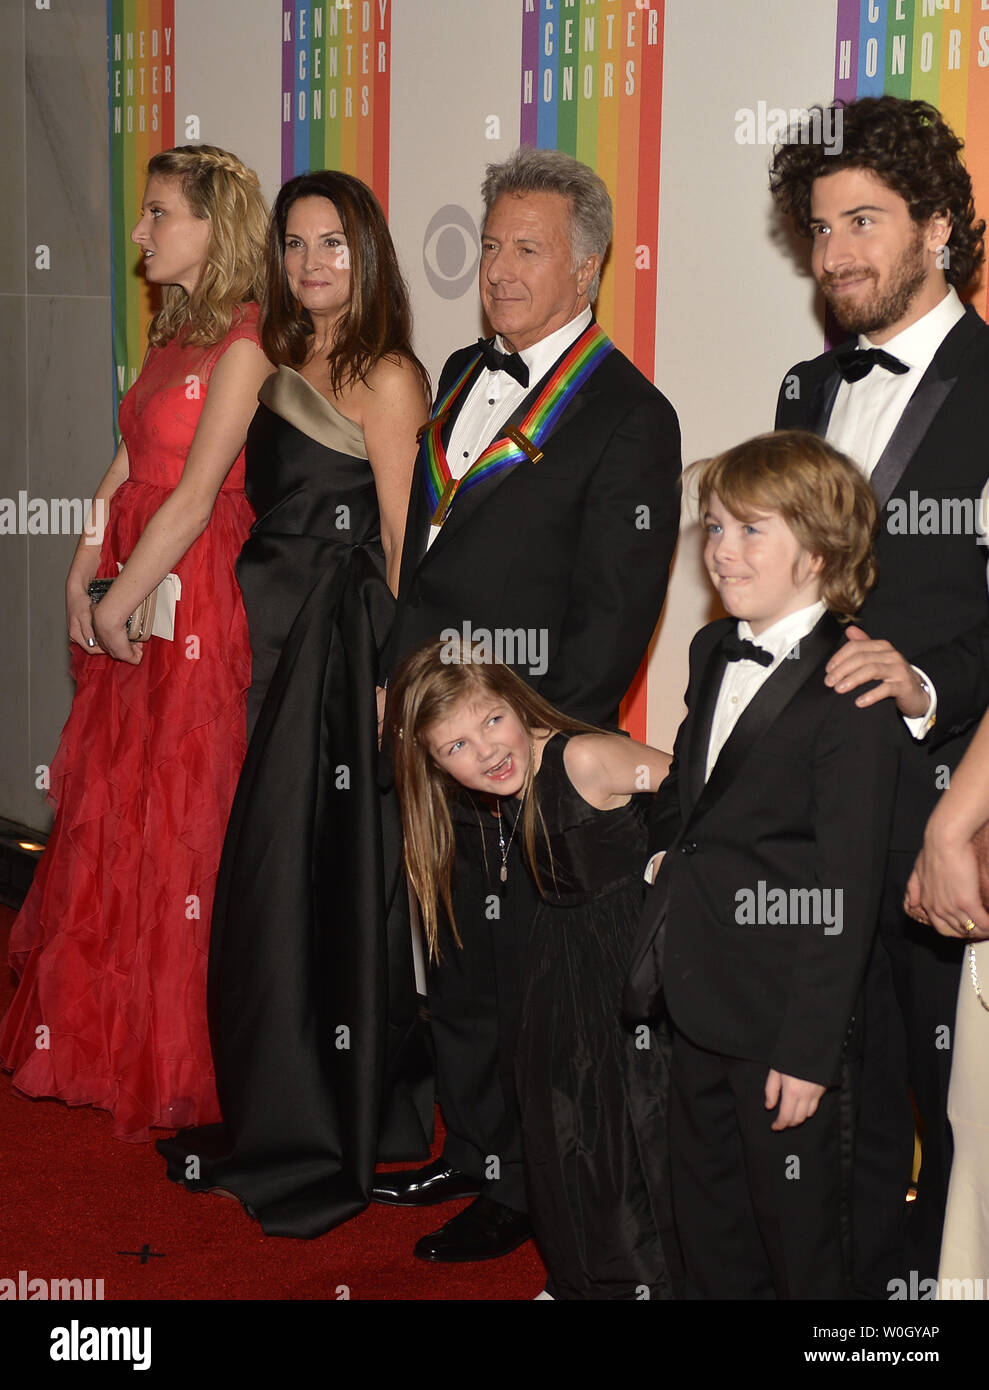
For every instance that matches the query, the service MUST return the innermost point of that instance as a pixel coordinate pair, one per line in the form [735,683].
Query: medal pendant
[439,516]
[521,441]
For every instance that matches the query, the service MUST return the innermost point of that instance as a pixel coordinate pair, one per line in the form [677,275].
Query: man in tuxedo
[555,551]
[894,240]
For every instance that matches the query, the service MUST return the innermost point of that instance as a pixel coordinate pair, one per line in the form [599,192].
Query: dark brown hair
[377,322]
[819,493]
[909,146]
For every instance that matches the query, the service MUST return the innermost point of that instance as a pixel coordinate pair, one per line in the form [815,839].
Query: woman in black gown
[308,999]
[474,741]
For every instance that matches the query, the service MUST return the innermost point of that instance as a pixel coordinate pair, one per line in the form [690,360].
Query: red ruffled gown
[111,944]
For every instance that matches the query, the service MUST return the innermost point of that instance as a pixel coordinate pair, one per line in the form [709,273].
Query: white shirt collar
[541,356]
[786,633]
[917,344]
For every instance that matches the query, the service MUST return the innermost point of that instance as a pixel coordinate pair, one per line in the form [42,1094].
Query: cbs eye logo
[450,251]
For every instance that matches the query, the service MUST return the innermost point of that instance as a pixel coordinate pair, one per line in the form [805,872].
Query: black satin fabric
[594,1092]
[312,1010]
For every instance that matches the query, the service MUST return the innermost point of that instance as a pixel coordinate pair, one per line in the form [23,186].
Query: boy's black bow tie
[735,648]
[854,363]
[509,362]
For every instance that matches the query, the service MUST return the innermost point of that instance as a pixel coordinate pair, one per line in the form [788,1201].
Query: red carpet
[77,1204]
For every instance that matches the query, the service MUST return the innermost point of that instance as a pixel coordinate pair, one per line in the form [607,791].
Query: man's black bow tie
[509,362]
[854,363]
[735,648]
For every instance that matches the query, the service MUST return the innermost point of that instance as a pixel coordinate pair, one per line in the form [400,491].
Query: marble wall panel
[70,444]
[67,206]
[18,800]
[56,386]
[12,263]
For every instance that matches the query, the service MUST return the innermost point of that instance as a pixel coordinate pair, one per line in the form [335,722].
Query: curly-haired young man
[893,240]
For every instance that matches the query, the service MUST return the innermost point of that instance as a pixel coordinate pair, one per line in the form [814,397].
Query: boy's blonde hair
[821,495]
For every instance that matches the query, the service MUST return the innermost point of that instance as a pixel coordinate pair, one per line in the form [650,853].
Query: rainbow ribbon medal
[570,374]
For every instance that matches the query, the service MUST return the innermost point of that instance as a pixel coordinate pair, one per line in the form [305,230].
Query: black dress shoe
[485,1230]
[423,1187]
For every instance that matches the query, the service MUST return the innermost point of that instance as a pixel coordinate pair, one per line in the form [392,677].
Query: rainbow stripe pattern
[141,92]
[592,85]
[336,89]
[573,369]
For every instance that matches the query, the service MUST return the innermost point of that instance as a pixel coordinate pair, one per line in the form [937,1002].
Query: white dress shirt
[740,683]
[866,413]
[495,396]
[743,679]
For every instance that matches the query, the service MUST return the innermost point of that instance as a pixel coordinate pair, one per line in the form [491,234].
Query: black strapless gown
[593,1092]
[312,1010]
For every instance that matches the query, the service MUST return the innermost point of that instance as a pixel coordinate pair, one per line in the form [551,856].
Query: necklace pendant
[504,873]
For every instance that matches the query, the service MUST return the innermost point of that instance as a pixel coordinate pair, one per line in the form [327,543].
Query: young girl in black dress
[473,740]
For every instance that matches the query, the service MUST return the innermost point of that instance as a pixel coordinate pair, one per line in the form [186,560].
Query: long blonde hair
[428,684]
[221,190]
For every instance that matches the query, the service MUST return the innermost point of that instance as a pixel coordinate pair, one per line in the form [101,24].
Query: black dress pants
[760,1214]
[475,1001]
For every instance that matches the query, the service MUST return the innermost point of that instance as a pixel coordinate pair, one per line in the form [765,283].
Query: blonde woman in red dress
[111,944]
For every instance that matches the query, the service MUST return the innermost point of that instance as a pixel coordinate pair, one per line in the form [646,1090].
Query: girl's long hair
[221,190]
[378,320]
[428,684]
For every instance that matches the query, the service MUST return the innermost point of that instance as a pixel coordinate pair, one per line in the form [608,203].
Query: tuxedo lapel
[467,503]
[759,715]
[822,403]
[419,530]
[700,732]
[918,414]
[420,502]
[932,391]
[643,993]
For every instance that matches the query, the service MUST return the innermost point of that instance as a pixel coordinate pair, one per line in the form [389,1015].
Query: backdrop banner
[592,85]
[336,62]
[141,91]
[416,96]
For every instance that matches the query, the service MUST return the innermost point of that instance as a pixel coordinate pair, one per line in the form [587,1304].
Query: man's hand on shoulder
[863,659]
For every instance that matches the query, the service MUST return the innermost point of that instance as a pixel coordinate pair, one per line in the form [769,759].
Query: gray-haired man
[571,539]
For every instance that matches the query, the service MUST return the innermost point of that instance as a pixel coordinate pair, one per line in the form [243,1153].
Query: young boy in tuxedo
[775,817]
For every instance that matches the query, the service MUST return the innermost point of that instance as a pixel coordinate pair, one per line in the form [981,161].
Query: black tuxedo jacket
[576,547]
[930,601]
[800,798]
